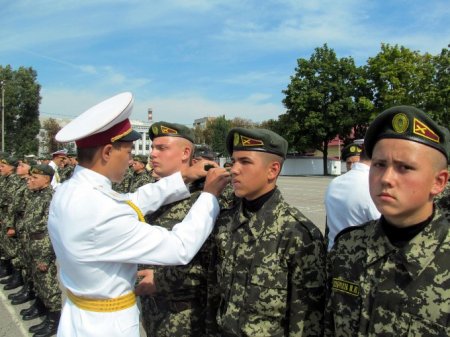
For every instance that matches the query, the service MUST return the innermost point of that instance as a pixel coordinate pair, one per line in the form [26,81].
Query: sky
[188,59]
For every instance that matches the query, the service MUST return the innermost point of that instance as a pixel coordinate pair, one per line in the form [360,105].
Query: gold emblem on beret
[236,139]
[155,130]
[400,123]
[247,141]
[353,149]
[423,130]
[167,130]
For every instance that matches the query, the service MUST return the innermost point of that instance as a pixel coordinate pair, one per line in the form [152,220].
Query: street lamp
[2,83]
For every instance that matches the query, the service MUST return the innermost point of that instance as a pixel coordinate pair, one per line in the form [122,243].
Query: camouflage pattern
[65,172]
[270,268]
[12,218]
[11,185]
[140,179]
[179,307]
[124,185]
[377,289]
[39,248]
[443,199]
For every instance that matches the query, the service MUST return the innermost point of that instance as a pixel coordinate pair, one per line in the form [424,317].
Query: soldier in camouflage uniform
[15,214]
[40,250]
[270,259]
[176,306]
[9,240]
[5,265]
[125,184]
[140,174]
[390,277]
[443,199]
[69,166]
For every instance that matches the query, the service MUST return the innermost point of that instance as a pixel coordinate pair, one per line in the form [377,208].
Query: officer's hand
[216,180]
[197,170]
[43,267]
[146,285]
[11,232]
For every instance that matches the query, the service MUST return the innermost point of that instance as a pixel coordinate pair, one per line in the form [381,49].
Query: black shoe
[37,327]
[36,310]
[25,297]
[15,282]
[20,292]
[6,280]
[51,327]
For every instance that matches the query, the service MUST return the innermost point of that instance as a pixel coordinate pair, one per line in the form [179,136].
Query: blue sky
[191,59]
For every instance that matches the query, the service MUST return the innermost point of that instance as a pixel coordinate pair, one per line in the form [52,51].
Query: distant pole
[2,83]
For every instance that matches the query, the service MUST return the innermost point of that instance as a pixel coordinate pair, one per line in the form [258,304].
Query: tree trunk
[325,158]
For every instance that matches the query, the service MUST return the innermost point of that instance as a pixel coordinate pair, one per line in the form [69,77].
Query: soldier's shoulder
[297,221]
[355,233]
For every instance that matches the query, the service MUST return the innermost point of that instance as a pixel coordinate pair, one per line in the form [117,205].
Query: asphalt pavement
[304,193]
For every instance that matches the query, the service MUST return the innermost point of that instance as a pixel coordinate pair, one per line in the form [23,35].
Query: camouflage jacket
[270,271]
[180,283]
[9,188]
[443,199]
[17,207]
[140,179]
[66,172]
[34,221]
[377,289]
[124,185]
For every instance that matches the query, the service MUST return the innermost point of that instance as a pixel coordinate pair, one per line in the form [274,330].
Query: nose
[387,176]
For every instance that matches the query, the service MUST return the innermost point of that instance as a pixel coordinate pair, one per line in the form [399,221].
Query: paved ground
[305,193]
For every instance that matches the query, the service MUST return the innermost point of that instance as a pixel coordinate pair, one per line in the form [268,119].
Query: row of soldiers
[263,271]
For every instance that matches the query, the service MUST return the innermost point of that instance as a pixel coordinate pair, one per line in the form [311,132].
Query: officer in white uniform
[97,233]
[57,157]
[347,199]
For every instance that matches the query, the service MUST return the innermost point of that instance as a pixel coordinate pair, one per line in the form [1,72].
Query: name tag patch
[345,287]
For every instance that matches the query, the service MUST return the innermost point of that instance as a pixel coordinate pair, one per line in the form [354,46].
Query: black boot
[15,282]
[25,296]
[51,327]
[39,326]
[20,292]
[36,310]
[7,279]
[5,268]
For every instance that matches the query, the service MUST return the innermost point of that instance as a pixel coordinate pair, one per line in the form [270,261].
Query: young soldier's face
[403,180]
[251,174]
[38,181]
[168,154]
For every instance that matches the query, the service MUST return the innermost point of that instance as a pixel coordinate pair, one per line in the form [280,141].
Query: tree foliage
[51,128]
[215,134]
[22,100]
[320,101]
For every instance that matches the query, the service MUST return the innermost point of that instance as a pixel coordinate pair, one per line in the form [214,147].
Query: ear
[106,151]
[440,182]
[187,153]
[273,170]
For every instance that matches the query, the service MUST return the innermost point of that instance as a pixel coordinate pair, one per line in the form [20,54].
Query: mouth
[385,196]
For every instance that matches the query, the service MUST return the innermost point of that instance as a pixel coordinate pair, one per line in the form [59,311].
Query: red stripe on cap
[105,137]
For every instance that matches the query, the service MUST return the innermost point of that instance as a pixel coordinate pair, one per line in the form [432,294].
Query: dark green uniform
[40,248]
[124,185]
[65,172]
[378,289]
[140,179]
[179,307]
[270,271]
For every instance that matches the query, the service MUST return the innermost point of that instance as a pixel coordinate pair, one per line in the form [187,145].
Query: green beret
[407,122]
[11,160]
[140,157]
[162,129]
[71,154]
[42,169]
[205,152]
[351,150]
[241,139]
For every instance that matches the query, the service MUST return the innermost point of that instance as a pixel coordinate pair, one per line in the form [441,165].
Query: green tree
[400,76]
[22,100]
[215,134]
[439,98]
[51,127]
[320,101]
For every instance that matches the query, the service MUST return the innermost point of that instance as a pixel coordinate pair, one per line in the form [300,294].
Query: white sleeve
[125,239]
[167,190]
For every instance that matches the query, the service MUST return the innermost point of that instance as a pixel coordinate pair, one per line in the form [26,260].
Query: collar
[92,177]
[418,253]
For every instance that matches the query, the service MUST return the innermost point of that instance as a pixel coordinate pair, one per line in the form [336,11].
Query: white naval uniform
[98,240]
[348,201]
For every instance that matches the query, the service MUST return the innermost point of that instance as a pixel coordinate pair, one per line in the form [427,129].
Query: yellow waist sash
[103,305]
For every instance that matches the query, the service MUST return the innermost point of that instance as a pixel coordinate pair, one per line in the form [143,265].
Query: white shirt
[98,241]
[55,180]
[348,201]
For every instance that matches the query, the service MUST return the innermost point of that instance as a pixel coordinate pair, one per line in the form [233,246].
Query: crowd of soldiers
[263,271]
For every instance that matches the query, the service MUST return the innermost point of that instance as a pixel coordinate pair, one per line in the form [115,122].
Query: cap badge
[165,129]
[422,130]
[155,130]
[236,139]
[247,141]
[400,123]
